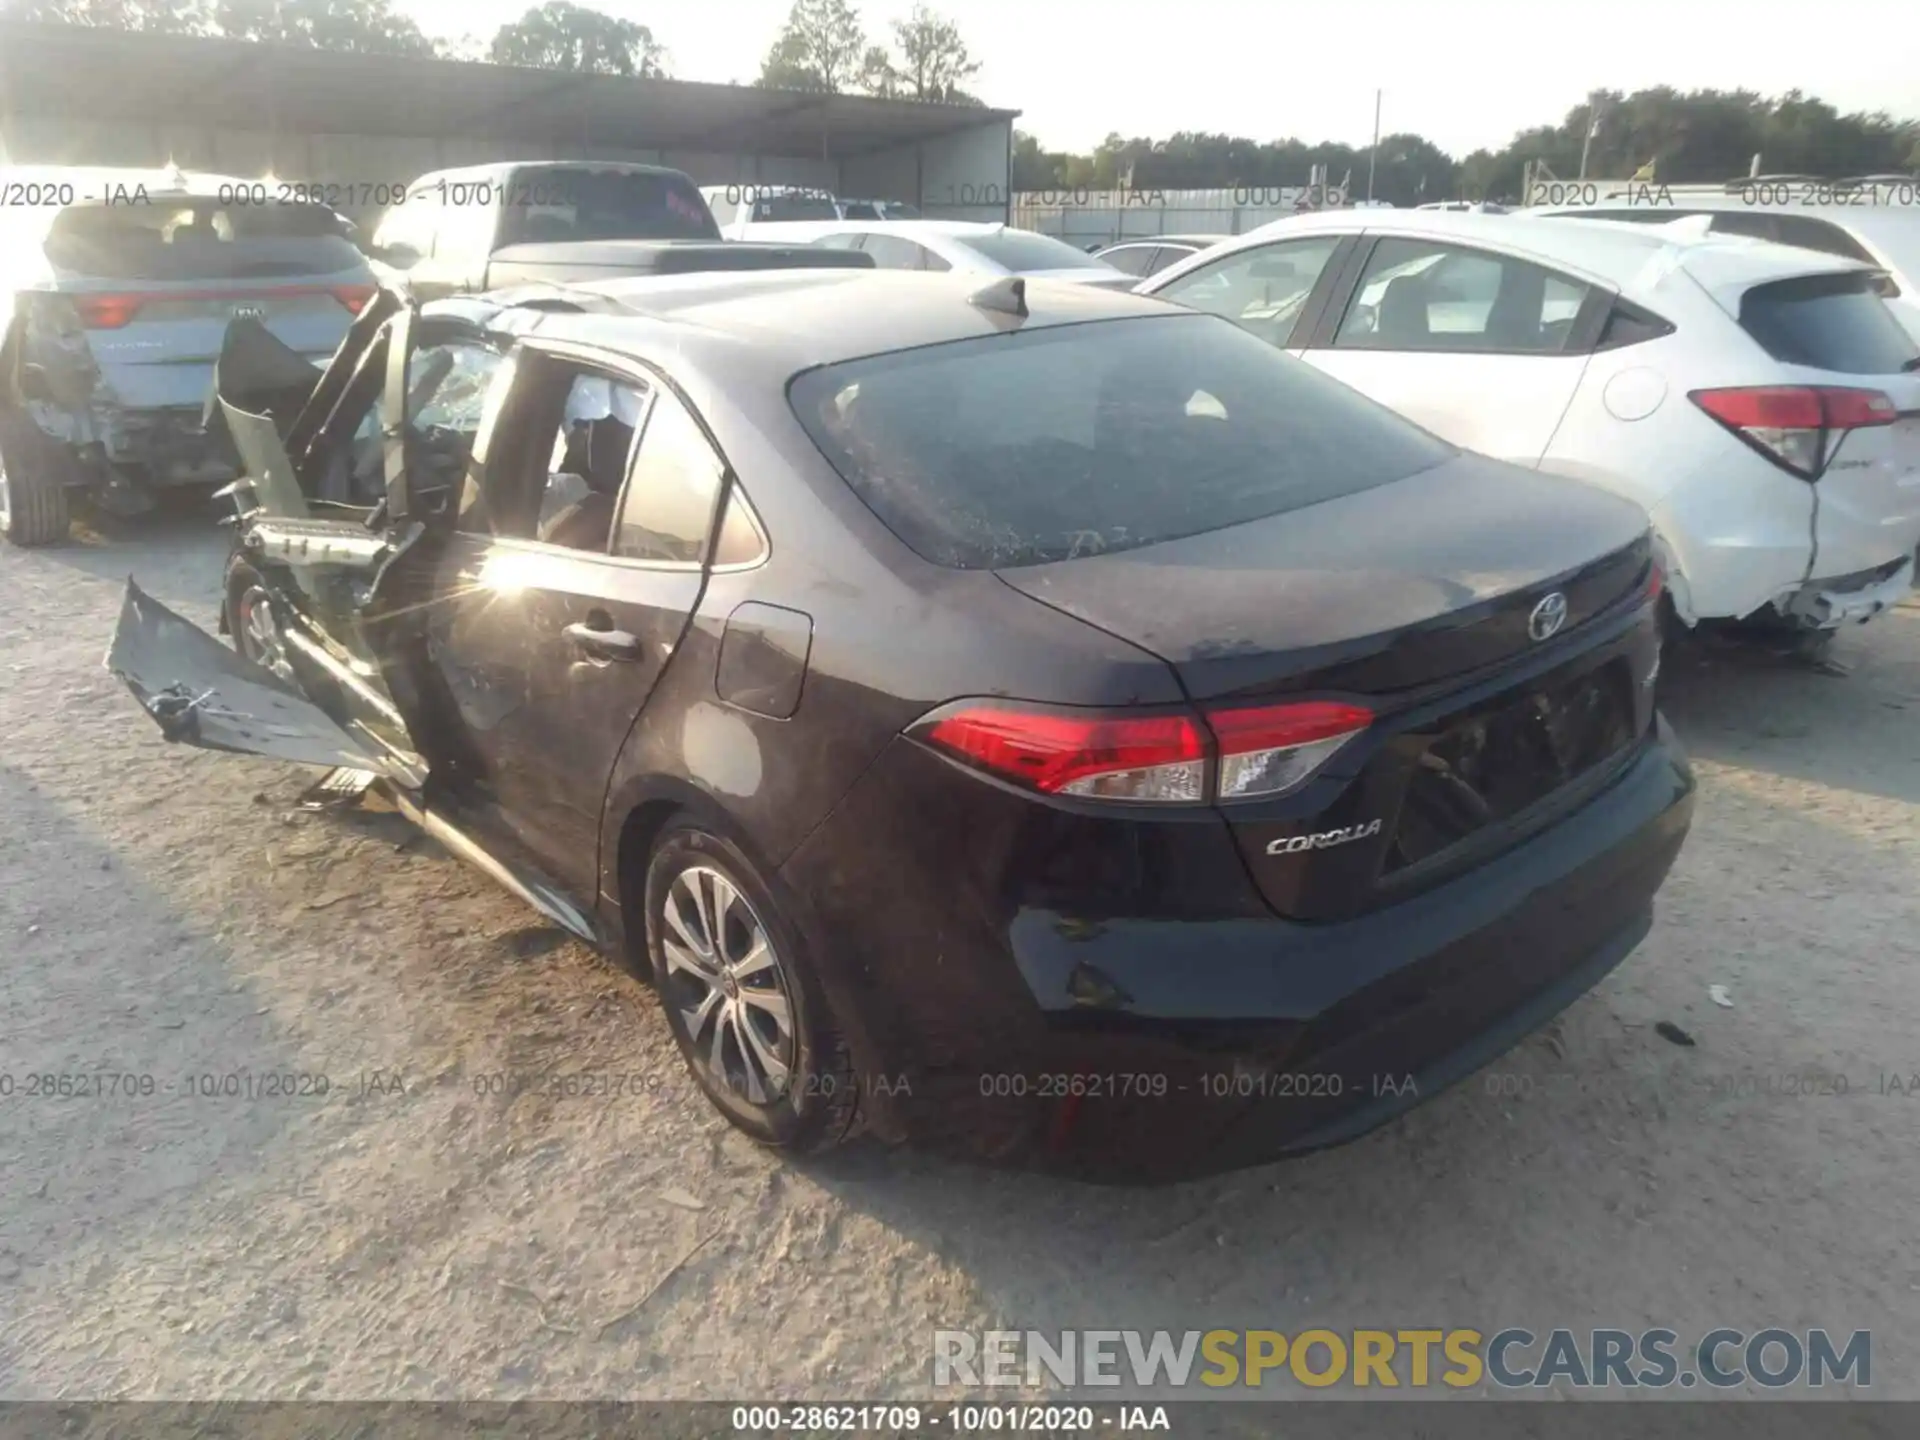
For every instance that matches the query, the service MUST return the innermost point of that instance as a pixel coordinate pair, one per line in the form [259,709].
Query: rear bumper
[167,446]
[172,447]
[1146,1049]
[1850,599]
[1738,535]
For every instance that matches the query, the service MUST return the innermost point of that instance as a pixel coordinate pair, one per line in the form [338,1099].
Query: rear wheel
[33,492]
[742,1002]
[256,629]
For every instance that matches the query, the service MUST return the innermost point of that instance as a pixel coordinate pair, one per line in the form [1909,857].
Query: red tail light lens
[1153,758]
[354,297]
[106,312]
[1796,426]
[1273,749]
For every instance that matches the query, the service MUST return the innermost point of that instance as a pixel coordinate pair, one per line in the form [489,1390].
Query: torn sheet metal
[201,693]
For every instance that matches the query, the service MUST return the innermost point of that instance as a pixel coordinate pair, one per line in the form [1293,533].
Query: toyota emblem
[1547,617]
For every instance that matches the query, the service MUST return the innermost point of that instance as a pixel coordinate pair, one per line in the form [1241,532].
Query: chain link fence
[1089,219]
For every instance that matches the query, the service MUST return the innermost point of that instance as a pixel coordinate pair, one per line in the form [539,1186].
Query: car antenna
[1008,295]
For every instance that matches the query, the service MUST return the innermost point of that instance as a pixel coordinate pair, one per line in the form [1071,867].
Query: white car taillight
[1798,427]
[1272,749]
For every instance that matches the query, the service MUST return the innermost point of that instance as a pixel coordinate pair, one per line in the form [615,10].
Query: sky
[1466,74]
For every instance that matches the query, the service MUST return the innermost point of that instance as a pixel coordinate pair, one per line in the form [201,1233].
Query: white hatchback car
[1761,402]
[1885,236]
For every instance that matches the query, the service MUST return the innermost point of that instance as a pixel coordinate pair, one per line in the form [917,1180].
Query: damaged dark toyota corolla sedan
[1032,720]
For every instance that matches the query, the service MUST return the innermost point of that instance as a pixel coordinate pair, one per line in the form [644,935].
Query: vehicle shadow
[1598,1174]
[1741,706]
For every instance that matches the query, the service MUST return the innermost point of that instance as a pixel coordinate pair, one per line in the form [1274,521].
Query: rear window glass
[1831,322]
[1022,251]
[795,207]
[553,206]
[1089,439]
[200,240]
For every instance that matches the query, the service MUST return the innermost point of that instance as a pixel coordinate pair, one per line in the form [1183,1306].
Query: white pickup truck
[490,227]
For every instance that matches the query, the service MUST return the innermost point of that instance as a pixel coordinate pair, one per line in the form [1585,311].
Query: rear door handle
[604,644]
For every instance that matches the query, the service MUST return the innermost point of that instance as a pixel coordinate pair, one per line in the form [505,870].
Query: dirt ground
[169,913]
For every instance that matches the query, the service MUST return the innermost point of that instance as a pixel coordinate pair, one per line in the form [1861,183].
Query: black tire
[817,1105]
[246,589]
[33,491]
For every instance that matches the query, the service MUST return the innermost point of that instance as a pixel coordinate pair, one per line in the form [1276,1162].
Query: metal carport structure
[75,95]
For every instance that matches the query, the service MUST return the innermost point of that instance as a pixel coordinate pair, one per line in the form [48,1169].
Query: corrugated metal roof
[108,75]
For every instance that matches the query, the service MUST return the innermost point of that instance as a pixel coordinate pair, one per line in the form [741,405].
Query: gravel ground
[169,913]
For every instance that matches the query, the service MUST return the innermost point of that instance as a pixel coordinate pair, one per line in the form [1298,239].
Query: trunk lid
[1429,579]
[1421,600]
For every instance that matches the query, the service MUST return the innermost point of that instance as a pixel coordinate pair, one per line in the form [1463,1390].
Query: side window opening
[1130,259]
[587,461]
[1419,295]
[677,479]
[1628,324]
[1263,291]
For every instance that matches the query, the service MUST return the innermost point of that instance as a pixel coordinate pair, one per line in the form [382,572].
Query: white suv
[1885,236]
[1760,402]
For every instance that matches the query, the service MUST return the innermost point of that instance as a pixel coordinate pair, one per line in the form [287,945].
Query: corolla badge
[1547,617]
[1326,839]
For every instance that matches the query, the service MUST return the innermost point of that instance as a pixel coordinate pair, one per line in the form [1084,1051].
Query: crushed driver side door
[322,570]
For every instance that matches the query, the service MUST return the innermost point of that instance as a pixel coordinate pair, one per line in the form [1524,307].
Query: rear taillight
[1656,580]
[1273,749]
[1798,427]
[354,297]
[1153,758]
[106,312]
[1159,758]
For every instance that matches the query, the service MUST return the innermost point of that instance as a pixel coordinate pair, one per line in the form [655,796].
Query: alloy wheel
[260,633]
[727,982]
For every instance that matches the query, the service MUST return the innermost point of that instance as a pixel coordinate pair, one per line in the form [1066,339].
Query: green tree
[878,75]
[821,47]
[358,27]
[167,17]
[933,58]
[1034,168]
[560,35]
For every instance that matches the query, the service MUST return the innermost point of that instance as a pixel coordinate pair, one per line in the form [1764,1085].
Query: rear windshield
[1089,439]
[200,240]
[800,206]
[1022,251]
[553,206]
[1831,322]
